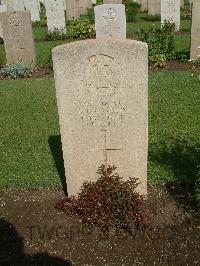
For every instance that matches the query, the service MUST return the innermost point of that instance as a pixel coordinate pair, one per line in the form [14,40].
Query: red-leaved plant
[108,202]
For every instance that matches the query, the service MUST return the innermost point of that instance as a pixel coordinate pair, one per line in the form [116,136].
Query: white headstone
[18,37]
[110,21]
[143,4]
[3,8]
[170,11]
[102,97]
[84,5]
[154,7]
[34,7]
[13,5]
[195,31]
[72,9]
[55,13]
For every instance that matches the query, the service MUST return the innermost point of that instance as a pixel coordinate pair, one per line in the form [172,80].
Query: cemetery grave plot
[103,107]
[38,233]
[43,48]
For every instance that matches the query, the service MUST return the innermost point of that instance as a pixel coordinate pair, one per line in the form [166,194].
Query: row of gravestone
[55,10]
[102,95]
[73,8]
[152,6]
[109,22]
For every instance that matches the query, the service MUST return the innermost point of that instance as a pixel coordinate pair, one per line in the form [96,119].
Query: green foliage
[16,71]
[36,24]
[43,16]
[81,29]
[55,35]
[108,202]
[185,11]
[99,2]
[182,56]
[132,9]
[185,14]
[161,42]
[41,23]
[159,60]
[90,15]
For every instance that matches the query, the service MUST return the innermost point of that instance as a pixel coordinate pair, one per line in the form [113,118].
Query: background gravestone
[110,21]
[18,37]
[84,5]
[72,9]
[154,8]
[195,30]
[3,8]
[55,12]
[34,7]
[102,97]
[13,5]
[112,1]
[18,5]
[170,11]
[8,3]
[143,4]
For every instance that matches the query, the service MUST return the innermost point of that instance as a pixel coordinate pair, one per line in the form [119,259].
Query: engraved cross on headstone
[106,149]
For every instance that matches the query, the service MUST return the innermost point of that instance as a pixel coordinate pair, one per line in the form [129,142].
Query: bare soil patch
[172,66]
[34,232]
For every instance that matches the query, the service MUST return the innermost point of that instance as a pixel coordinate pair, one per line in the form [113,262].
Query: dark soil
[172,66]
[42,71]
[34,232]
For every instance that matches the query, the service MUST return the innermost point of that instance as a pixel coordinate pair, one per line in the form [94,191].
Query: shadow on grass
[12,250]
[183,158]
[56,150]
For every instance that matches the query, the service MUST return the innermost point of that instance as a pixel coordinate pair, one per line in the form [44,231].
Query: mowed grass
[28,119]
[29,126]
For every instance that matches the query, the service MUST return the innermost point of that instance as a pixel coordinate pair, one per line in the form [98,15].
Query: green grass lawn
[28,119]
[30,130]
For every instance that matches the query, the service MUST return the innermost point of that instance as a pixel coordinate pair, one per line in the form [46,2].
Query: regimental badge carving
[101,86]
[109,15]
[15,20]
